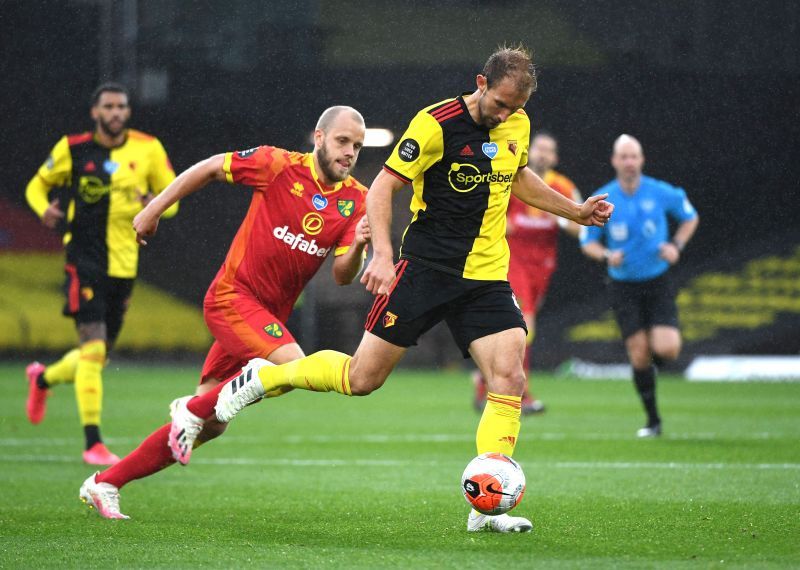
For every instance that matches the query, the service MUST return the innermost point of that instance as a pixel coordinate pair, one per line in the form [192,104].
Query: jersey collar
[324,188]
[98,143]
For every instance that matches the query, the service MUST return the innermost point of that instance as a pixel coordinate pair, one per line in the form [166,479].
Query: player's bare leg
[499,357]
[530,403]
[665,342]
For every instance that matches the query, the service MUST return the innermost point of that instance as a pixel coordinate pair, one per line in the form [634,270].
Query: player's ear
[95,112]
[319,136]
[480,81]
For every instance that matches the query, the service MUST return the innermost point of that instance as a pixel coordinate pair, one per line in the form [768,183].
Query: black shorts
[93,297]
[421,297]
[641,305]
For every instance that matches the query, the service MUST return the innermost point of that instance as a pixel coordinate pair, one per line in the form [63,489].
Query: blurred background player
[532,236]
[110,174]
[304,207]
[638,252]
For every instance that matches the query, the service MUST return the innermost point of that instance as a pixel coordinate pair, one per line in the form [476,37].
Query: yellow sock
[63,371]
[323,371]
[89,381]
[499,425]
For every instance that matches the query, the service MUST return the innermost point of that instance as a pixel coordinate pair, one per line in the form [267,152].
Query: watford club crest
[274,330]
[87,293]
[389,319]
[345,207]
[512,146]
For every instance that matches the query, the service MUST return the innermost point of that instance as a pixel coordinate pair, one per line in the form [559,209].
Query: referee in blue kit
[636,247]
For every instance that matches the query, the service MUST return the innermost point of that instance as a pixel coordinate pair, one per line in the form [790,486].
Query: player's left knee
[363,386]
[668,352]
[511,383]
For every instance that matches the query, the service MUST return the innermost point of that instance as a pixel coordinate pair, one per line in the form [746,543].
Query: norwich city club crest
[274,329]
[345,207]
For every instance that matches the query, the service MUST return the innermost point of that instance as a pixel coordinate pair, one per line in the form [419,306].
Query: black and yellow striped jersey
[106,188]
[461,174]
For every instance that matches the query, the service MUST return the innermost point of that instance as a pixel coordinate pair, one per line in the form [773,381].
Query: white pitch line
[406,438]
[407,462]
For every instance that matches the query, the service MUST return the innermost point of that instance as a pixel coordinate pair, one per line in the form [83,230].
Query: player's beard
[109,130]
[326,165]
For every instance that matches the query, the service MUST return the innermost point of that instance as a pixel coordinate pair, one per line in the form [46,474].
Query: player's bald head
[627,158]
[627,143]
[330,116]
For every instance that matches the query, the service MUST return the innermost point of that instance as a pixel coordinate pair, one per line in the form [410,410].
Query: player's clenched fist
[363,235]
[145,224]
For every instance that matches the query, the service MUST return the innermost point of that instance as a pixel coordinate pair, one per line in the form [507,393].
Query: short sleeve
[256,167]
[57,169]
[677,204]
[161,172]
[346,240]
[420,147]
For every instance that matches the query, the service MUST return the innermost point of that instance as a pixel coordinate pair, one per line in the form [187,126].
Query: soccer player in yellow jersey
[464,157]
[110,174]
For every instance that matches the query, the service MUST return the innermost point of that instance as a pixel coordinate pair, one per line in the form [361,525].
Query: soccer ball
[493,483]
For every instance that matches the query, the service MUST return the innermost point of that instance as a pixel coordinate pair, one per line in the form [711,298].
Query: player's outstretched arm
[379,274]
[532,190]
[191,180]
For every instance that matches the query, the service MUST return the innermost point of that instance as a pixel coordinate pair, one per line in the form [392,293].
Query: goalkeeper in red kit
[304,207]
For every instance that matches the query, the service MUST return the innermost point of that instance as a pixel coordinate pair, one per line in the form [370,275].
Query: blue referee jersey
[639,226]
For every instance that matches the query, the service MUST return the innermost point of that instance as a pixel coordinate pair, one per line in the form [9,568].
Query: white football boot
[184,430]
[241,391]
[101,496]
[478,522]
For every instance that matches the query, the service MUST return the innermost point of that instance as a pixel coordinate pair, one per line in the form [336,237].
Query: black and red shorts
[422,296]
[92,296]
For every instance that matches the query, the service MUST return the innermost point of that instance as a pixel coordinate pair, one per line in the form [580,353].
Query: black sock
[41,383]
[658,361]
[645,382]
[92,433]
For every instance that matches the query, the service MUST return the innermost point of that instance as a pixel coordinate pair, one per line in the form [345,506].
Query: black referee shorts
[421,297]
[641,305]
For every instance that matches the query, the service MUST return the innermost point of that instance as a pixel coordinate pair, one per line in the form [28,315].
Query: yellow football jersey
[461,173]
[106,187]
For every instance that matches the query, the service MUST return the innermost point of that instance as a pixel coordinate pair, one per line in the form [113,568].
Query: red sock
[203,406]
[150,457]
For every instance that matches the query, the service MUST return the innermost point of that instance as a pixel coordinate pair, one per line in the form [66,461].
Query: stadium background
[710,87]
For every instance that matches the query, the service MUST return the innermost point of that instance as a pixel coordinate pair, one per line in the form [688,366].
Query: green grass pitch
[319,480]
